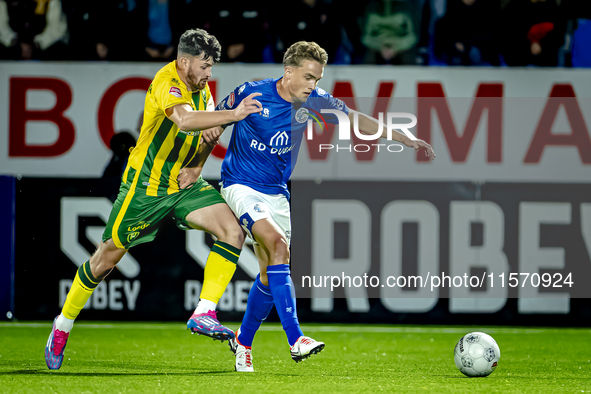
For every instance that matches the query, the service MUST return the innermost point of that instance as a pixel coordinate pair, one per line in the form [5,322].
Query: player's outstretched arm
[187,119]
[370,126]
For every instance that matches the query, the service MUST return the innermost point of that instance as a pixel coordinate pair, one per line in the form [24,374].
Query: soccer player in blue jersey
[260,159]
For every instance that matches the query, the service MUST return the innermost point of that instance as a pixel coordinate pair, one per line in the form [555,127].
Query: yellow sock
[219,269]
[82,288]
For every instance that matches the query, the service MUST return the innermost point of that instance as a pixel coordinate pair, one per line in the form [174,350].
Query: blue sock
[284,299]
[258,306]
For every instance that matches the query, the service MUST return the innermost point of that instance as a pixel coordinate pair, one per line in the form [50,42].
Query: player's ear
[183,61]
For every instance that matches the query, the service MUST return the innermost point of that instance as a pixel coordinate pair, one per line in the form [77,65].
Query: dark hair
[303,50]
[195,42]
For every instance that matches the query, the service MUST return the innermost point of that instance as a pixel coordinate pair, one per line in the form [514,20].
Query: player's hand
[212,136]
[187,177]
[248,106]
[418,144]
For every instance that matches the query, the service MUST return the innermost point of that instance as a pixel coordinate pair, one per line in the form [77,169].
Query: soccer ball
[477,354]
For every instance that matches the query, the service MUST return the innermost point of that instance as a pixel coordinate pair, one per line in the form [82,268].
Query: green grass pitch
[163,357]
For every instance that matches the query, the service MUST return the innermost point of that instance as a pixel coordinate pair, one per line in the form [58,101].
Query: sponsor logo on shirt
[190,133]
[140,226]
[280,138]
[278,145]
[176,92]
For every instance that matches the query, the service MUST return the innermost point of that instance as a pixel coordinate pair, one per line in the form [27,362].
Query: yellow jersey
[162,149]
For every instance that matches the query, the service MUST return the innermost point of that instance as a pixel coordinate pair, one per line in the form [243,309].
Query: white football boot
[304,348]
[243,355]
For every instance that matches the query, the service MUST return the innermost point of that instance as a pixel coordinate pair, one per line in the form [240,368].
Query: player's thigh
[275,231]
[250,206]
[270,237]
[109,251]
[281,214]
[136,217]
[216,219]
[106,256]
[203,208]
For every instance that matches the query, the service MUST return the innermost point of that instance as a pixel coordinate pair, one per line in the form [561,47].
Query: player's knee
[233,235]
[101,266]
[279,250]
[103,261]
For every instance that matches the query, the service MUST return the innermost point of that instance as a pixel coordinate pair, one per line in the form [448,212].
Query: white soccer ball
[477,354]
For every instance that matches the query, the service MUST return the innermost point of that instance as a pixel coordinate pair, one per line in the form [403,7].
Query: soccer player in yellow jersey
[163,177]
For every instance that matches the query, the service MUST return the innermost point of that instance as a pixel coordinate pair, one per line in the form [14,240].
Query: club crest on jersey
[176,92]
[301,115]
[132,236]
[231,100]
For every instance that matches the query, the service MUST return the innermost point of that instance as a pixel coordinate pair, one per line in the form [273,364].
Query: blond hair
[304,50]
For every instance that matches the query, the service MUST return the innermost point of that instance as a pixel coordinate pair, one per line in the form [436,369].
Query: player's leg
[216,219]
[87,278]
[272,239]
[260,301]
[134,219]
[267,221]
[275,245]
[258,306]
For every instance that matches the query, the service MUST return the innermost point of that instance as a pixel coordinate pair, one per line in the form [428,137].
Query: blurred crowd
[401,32]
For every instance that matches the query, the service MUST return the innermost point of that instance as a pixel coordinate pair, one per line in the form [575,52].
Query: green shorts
[136,217]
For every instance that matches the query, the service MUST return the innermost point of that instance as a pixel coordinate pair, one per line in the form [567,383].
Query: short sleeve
[321,99]
[234,98]
[168,94]
[335,103]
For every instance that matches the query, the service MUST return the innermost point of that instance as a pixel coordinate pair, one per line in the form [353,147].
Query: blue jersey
[263,148]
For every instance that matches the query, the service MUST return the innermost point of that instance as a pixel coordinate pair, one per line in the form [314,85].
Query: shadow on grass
[57,373]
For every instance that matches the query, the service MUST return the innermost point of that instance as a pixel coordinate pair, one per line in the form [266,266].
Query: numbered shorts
[250,205]
[136,217]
